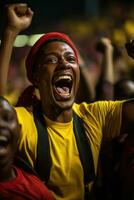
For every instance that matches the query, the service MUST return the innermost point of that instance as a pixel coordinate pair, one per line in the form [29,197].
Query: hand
[104,44]
[130,48]
[19,17]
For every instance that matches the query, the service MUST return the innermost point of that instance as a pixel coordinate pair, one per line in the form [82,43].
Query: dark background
[49,12]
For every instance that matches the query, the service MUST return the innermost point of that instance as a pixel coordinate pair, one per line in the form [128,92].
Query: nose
[63,63]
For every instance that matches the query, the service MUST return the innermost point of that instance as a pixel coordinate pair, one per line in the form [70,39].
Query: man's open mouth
[62,86]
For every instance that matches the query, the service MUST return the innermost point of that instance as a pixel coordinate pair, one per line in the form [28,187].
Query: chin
[65,105]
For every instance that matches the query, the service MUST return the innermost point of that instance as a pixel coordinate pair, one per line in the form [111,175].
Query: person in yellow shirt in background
[53,68]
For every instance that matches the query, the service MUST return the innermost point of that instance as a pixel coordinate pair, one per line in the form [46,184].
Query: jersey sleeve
[102,118]
[109,115]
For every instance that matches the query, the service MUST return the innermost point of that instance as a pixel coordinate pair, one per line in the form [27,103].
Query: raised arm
[19,17]
[105,86]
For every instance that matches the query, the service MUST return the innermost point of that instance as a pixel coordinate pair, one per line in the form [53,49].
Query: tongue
[63,90]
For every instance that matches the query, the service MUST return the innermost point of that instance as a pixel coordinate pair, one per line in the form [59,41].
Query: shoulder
[24,110]
[23,113]
[26,120]
[96,107]
[33,184]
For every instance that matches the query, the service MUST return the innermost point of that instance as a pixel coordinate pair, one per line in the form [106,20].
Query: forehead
[57,46]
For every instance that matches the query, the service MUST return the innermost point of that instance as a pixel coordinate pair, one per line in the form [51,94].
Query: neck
[58,114]
[63,117]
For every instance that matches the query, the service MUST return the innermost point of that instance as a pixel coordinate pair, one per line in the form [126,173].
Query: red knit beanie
[46,37]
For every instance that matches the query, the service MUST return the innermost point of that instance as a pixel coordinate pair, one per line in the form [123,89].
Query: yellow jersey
[101,119]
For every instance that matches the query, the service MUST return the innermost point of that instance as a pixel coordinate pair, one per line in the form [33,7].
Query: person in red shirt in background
[15,184]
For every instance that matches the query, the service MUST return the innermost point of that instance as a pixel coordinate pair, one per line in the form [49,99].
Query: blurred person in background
[15,183]
[116,155]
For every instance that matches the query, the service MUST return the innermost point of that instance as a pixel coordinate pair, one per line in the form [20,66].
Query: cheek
[44,87]
[42,79]
[45,74]
[15,128]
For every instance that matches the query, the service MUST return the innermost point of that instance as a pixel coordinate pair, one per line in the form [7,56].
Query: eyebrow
[56,53]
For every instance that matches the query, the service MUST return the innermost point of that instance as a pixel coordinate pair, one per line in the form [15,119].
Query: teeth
[3,138]
[64,77]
